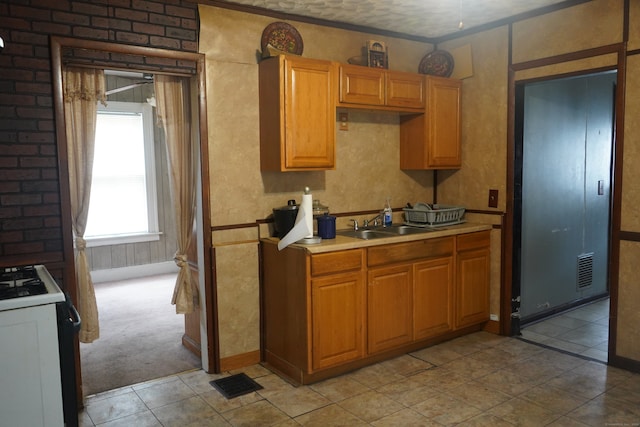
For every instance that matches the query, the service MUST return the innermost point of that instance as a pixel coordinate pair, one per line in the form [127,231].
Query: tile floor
[583,330]
[477,380]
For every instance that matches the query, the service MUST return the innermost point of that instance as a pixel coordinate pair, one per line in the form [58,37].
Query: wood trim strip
[191,345]
[236,226]
[616,204]
[492,326]
[485,212]
[630,236]
[566,57]
[240,361]
[234,243]
[623,362]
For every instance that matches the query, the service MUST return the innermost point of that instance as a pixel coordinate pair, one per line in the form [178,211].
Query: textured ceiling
[429,19]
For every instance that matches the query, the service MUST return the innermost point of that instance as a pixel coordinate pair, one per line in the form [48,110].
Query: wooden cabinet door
[389,304]
[432,297]
[309,114]
[361,85]
[297,114]
[432,140]
[443,112]
[337,319]
[472,287]
[405,89]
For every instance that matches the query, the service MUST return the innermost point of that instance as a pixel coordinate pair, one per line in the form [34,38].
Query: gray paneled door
[566,168]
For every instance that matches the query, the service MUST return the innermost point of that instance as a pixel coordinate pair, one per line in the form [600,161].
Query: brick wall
[30,212]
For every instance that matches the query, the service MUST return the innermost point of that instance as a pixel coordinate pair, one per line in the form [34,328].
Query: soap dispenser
[387,213]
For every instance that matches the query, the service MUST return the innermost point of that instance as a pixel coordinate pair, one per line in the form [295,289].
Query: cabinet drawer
[405,89]
[361,85]
[336,262]
[387,254]
[481,239]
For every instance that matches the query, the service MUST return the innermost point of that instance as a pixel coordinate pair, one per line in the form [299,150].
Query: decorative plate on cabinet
[283,37]
[437,63]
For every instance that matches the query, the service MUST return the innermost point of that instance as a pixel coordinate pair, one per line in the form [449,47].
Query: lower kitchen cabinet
[313,309]
[337,319]
[389,302]
[433,297]
[472,284]
[327,313]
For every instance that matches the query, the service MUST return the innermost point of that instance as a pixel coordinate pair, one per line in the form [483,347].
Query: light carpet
[140,335]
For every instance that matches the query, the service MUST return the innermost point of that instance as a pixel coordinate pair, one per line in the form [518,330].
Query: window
[123,205]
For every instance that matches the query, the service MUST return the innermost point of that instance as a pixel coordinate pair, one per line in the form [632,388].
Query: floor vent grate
[585,270]
[235,385]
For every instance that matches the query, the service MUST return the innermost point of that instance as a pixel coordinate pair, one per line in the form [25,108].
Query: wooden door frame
[57,46]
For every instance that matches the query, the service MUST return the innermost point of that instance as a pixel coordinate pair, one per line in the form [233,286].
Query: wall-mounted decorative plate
[437,63]
[283,37]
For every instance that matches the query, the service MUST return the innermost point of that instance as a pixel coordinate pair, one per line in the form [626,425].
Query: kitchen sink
[406,229]
[380,232]
[366,234]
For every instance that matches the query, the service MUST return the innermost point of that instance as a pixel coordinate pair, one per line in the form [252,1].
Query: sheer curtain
[83,88]
[174,111]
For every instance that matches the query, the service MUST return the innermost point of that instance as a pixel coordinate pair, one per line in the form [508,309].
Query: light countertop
[343,242]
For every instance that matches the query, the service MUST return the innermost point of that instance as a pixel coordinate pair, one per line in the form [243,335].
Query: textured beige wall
[238,311]
[484,125]
[628,322]
[630,220]
[634,26]
[628,336]
[588,25]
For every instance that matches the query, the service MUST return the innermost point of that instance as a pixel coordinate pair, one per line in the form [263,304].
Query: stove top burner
[19,282]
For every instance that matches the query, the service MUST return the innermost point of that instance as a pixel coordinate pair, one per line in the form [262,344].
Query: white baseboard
[134,271]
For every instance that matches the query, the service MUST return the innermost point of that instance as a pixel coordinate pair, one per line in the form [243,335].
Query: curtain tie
[180,259]
[81,244]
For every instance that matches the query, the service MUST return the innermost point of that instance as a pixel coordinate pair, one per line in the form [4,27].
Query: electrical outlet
[494,317]
[343,118]
[493,198]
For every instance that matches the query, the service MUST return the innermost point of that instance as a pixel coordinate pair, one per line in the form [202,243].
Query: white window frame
[153,233]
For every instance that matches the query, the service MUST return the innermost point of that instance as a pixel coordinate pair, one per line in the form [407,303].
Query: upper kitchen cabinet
[297,114]
[362,87]
[432,140]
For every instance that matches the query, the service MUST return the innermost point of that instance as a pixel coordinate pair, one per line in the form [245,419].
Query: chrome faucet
[375,219]
[355,223]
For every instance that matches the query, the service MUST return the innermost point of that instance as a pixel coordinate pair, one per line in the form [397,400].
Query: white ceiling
[429,19]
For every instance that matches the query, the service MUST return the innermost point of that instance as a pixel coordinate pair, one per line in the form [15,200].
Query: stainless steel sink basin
[380,232]
[406,229]
[366,234]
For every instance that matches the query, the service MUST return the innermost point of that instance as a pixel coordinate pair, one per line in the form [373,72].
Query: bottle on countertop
[387,213]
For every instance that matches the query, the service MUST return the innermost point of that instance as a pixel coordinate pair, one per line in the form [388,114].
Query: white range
[30,379]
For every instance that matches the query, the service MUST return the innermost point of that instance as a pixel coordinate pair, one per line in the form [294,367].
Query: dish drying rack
[425,215]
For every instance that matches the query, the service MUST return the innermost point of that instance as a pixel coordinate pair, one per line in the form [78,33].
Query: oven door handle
[75,316]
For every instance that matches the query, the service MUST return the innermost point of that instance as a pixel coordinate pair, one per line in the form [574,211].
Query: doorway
[94,54]
[562,201]
[131,242]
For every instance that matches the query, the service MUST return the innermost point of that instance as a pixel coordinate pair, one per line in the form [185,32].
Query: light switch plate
[493,198]
[343,119]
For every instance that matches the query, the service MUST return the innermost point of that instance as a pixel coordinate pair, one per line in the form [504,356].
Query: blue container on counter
[326,226]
